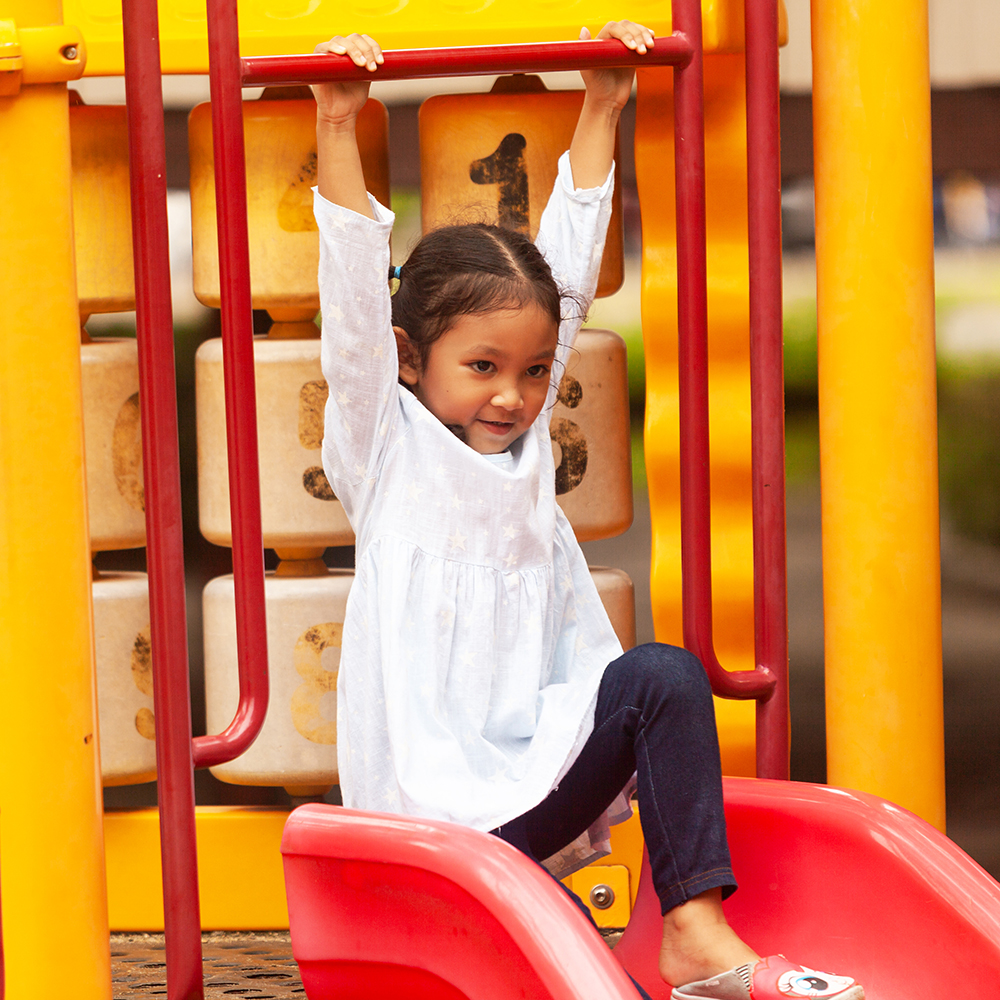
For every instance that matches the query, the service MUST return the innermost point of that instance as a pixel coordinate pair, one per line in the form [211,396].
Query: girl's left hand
[613,87]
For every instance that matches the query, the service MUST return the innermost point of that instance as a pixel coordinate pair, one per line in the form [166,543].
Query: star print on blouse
[457,540]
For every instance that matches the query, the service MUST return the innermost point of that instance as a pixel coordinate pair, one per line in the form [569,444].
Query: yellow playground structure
[71,469]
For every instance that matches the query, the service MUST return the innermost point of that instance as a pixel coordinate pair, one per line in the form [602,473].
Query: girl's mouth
[497,426]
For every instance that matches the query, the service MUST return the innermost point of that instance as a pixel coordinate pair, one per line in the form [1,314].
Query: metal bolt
[70,52]
[602,896]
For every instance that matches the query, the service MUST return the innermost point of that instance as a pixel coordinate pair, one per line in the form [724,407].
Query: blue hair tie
[396,272]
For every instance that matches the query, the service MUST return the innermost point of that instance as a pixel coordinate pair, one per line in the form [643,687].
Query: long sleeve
[358,350]
[571,238]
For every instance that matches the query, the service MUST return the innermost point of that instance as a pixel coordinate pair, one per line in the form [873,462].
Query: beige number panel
[113,444]
[281,172]
[493,158]
[102,214]
[617,593]
[124,678]
[589,430]
[591,438]
[297,746]
[298,507]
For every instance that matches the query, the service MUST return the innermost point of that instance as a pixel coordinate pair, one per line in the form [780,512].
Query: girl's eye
[482,366]
[538,371]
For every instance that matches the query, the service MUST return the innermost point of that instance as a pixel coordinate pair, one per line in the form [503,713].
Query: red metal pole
[241,404]
[692,309]
[767,388]
[161,467]
[470,60]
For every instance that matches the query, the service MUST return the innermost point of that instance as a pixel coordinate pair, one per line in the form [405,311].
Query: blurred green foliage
[801,379]
[969,447]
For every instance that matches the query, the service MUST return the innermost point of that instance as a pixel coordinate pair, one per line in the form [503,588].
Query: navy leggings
[655,717]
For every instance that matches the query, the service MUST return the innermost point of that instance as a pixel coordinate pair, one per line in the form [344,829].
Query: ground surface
[256,966]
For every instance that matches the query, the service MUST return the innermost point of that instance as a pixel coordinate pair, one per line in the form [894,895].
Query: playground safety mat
[258,966]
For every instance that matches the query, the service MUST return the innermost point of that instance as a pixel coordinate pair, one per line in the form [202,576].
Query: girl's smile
[487,376]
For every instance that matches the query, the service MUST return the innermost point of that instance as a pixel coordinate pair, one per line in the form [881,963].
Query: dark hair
[477,268]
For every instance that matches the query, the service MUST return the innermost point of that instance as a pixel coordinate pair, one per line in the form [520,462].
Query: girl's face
[487,376]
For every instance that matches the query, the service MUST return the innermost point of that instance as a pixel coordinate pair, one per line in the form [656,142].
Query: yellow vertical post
[878,426]
[51,839]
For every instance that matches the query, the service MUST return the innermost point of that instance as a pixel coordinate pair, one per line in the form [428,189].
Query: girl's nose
[508,399]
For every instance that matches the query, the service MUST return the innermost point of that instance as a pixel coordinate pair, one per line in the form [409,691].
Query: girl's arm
[339,175]
[608,91]
[358,352]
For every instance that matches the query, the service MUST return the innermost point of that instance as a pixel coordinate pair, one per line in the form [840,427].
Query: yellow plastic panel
[272,27]
[280,140]
[626,849]
[239,868]
[729,374]
[613,877]
[493,158]
[626,852]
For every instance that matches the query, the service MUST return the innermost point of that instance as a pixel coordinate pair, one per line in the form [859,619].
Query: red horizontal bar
[469,60]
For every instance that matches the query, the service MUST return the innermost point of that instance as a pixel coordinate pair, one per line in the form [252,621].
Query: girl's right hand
[340,102]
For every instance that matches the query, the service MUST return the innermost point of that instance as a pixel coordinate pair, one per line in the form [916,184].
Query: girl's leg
[655,716]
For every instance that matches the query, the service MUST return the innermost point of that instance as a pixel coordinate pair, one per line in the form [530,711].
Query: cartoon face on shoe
[487,376]
[809,983]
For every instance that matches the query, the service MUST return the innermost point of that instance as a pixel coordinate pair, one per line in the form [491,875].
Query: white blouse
[474,640]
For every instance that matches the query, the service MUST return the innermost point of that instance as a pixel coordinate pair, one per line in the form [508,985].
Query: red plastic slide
[385,906]
[846,882]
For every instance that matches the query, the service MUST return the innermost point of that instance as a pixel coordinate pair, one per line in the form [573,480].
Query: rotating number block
[493,158]
[617,594]
[297,746]
[113,444]
[591,438]
[124,678]
[298,507]
[102,215]
[281,171]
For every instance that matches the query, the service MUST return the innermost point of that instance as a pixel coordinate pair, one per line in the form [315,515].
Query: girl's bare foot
[698,943]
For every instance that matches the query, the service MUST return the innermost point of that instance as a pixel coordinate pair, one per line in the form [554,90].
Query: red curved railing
[692,309]
[240,393]
[177,753]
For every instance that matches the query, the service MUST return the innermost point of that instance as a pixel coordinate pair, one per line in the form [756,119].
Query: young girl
[480,679]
